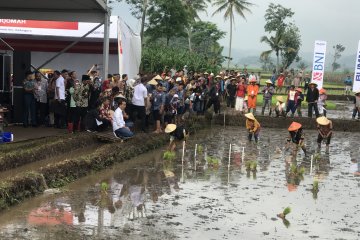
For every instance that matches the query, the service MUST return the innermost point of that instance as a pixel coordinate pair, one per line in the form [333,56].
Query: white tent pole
[106,46]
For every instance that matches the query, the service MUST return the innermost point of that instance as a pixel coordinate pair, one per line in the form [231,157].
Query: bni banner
[319,63]
[356,86]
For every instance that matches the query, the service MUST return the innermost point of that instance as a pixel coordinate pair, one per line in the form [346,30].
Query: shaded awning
[64,10]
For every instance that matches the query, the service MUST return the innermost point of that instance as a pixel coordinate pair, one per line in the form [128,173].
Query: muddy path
[151,198]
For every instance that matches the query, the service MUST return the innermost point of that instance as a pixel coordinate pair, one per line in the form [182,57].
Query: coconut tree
[231,7]
[276,44]
[193,7]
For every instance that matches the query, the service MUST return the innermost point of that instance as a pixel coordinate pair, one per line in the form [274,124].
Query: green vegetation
[251,165]
[200,149]
[296,171]
[169,155]
[104,186]
[231,7]
[285,40]
[285,212]
[212,161]
[259,101]
[315,189]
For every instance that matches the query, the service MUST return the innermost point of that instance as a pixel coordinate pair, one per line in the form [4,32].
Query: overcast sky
[335,21]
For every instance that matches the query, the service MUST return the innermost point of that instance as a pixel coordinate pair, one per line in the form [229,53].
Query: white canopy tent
[64,10]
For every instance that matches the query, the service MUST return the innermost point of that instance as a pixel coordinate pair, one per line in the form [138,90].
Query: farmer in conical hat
[177,133]
[325,128]
[253,127]
[296,137]
[280,106]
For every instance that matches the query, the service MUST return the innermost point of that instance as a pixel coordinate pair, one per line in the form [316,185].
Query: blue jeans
[124,133]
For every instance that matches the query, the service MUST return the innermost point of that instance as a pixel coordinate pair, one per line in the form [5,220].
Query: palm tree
[231,7]
[276,44]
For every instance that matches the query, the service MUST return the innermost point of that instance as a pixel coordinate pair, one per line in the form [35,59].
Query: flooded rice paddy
[151,198]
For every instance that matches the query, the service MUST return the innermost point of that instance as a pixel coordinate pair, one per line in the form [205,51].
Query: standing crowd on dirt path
[66,100]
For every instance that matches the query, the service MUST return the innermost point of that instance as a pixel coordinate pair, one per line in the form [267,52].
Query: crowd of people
[64,100]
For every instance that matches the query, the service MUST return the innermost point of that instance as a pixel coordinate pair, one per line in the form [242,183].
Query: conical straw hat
[323,121]
[250,116]
[294,126]
[170,128]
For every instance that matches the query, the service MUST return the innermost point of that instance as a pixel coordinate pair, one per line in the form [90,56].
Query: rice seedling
[212,161]
[285,212]
[169,155]
[200,149]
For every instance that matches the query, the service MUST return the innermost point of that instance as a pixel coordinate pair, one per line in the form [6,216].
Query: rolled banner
[356,84]
[319,63]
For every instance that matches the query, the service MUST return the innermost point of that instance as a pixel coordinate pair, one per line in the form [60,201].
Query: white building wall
[79,62]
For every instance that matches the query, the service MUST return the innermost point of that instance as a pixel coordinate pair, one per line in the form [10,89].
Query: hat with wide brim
[268,82]
[356,93]
[313,83]
[250,116]
[294,126]
[157,77]
[170,128]
[299,90]
[323,121]
[206,73]
[280,98]
[218,76]
[322,91]
[153,82]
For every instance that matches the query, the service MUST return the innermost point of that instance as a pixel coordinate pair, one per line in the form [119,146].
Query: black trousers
[230,101]
[216,103]
[79,118]
[141,113]
[41,109]
[60,113]
[312,106]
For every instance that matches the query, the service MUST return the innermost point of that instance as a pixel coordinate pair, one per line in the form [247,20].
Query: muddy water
[151,198]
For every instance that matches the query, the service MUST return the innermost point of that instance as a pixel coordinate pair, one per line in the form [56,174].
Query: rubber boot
[250,136]
[256,138]
[70,127]
[270,112]
[292,115]
[79,126]
[263,111]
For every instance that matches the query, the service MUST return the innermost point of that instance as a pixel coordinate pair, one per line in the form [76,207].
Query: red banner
[39,24]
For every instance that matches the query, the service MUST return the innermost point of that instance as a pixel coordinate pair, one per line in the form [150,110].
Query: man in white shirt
[60,107]
[139,102]
[119,126]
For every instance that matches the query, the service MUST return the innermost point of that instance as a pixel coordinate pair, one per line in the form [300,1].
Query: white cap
[176,96]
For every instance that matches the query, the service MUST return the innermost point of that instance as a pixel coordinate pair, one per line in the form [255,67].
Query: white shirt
[60,83]
[292,95]
[140,92]
[118,121]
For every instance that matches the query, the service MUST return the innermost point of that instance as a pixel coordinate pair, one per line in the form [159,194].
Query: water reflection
[165,199]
